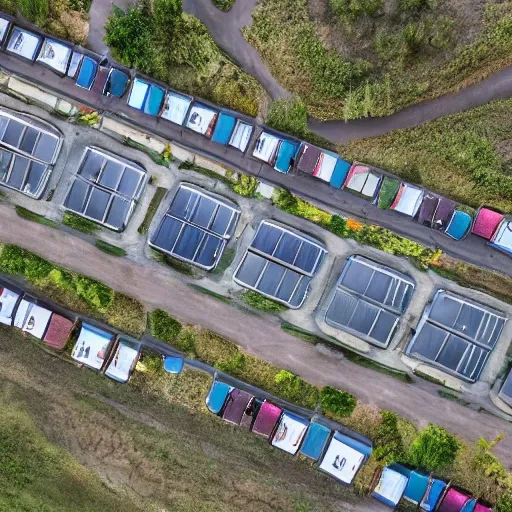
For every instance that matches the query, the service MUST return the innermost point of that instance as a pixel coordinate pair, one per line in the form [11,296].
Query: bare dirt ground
[155,450]
[158,287]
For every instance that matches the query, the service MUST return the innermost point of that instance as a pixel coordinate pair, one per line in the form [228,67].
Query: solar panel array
[369,300]
[197,227]
[457,334]
[27,150]
[280,264]
[106,188]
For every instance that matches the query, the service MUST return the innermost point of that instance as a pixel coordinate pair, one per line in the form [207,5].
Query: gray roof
[369,300]
[196,227]
[280,263]
[457,334]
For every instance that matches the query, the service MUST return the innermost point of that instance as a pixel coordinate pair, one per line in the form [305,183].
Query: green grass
[34,217]
[110,249]
[428,378]
[348,354]
[80,223]
[206,291]
[361,64]
[465,157]
[258,301]
[75,291]
[159,158]
[223,5]
[175,264]
[225,261]
[163,326]
[152,209]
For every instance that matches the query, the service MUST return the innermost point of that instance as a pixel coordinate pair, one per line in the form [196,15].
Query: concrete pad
[34,93]
[211,165]
[109,124]
[182,154]
[267,191]
[4,78]
[66,108]
[447,380]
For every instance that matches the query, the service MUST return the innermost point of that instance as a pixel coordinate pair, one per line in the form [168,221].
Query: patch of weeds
[258,301]
[188,166]
[223,5]
[428,378]
[163,158]
[206,291]
[152,209]
[80,223]
[225,261]
[163,326]
[175,264]
[34,217]
[87,118]
[110,249]
[447,395]
[245,185]
[50,195]
[301,333]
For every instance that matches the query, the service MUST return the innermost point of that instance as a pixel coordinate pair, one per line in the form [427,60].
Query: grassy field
[159,39]
[149,441]
[67,19]
[466,156]
[348,59]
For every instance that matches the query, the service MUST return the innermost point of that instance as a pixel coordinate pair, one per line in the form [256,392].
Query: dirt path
[157,286]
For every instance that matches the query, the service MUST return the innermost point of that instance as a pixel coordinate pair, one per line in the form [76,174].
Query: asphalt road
[158,287]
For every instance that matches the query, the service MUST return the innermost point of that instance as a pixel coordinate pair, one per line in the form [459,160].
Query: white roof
[4,25]
[122,361]
[503,236]
[327,165]
[289,434]
[55,55]
[7,302]
[176,108]
[91,347]
[200,118]
[265,146]
[23,43]
[138,94]
[241,135]
[341,461]
[409,201]
[32,318]
[391,485]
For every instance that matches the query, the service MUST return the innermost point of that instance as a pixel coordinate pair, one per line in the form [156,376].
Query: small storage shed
[290,432]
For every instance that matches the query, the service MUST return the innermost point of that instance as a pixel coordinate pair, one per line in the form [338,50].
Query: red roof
[58,332]
[486,223]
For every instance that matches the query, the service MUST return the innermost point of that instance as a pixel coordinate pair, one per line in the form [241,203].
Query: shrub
[389,445]
[163,326]
[337,402]
[504,503]
[348,10]
[434,449]
[34,217]
[258,301]
[415,6]
[245,185]
[96,294]
[294,389]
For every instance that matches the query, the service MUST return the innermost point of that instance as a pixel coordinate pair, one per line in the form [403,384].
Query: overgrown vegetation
[163,326]
[34,217]
[152,208]
[354,58]
[158,39]
[210,293]
[466,157]
[110,249]
[258,301]
[223,5]
[163,158]
[80,223]
[336,403]
[375,236]
[175,264]
[67,19]
[75,291]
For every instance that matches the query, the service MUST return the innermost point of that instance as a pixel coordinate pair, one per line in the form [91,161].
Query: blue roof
[217,396]
[432,496]
[416,487]
[118,82]
[315,440]
[469,506]
[223,128]
[458,225]
[173,364]
[287,151]
[340,173]
[154,100]
[87,73]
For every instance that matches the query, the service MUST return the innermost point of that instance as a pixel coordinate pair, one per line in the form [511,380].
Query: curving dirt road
[260,335]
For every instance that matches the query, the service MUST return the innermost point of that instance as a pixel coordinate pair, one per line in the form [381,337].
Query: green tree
[434,449]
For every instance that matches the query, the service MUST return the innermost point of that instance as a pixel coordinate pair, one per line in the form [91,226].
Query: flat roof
[196,227]
[24,43]
[369,300]
[106,188]
[54,54]
[280,263]
[457,334]
[29,136]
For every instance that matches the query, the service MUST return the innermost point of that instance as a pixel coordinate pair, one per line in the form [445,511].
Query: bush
[415,6]
[504,503]
[434,449]
[348,10]
[96,294]
[258,301]
[245,185]
[80,223]
[336,402]
[389,444]
[34,217]
[294,389]
[163,326]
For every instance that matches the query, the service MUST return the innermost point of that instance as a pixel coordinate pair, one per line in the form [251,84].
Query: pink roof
[481,508]
[453,501]
[266,419]
[486,223]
